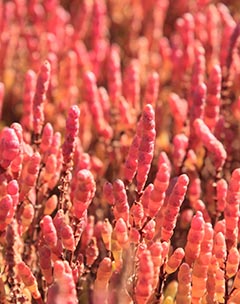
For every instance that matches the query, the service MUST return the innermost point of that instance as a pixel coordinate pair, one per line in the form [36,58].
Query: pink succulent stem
[39,99]
[146,146]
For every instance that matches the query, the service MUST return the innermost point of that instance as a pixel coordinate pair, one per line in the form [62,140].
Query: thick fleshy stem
[64,286]
[175,260]
[194,238]
[146,146]
[196,111]
[72,128]
[39,99]
[201,206]
[220,226]
[213,102]
[159,16]
[156,253]
[82,54]
[6,204]
[29,280]
[121,232]
[13,191]
[145,274]
[134,236]
[30,85]
[104,272]
[1,98]
[221,188]
[198,102]
[173,206]
[17,163]
[214,35]
[180,145]
[108,193]
[184,284]
[30,175]
[201,265]
[81,20]
[9,147]
[211,279]
[137,214]
[117,253]
[220,285]
[106,233]
[187,35]
[131,84]
[49,176]
[11,256]
[121,206]
[185,218]
[47,137]
[212,144]
[219,249]
[229,25]
[59,221]
[152,88]
[163,159]
[45,263]
[49,231]
[114,75]
[158,192]
[131,163]
[148,230]
[67,237]
[199,68]
[27,216]
[232,262]
[99,35]
[88,233]
[29,178]
[68,79]
[50,205]
[95,108]
[127,116]
[179,111]
[231,212]
[82,192]
[194,189]
[145,199]
[105,103]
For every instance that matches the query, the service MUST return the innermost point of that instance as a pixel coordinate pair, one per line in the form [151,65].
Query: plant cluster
[119,152]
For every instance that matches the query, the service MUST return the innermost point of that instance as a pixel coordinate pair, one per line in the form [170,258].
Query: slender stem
[161,280]
[226,291]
